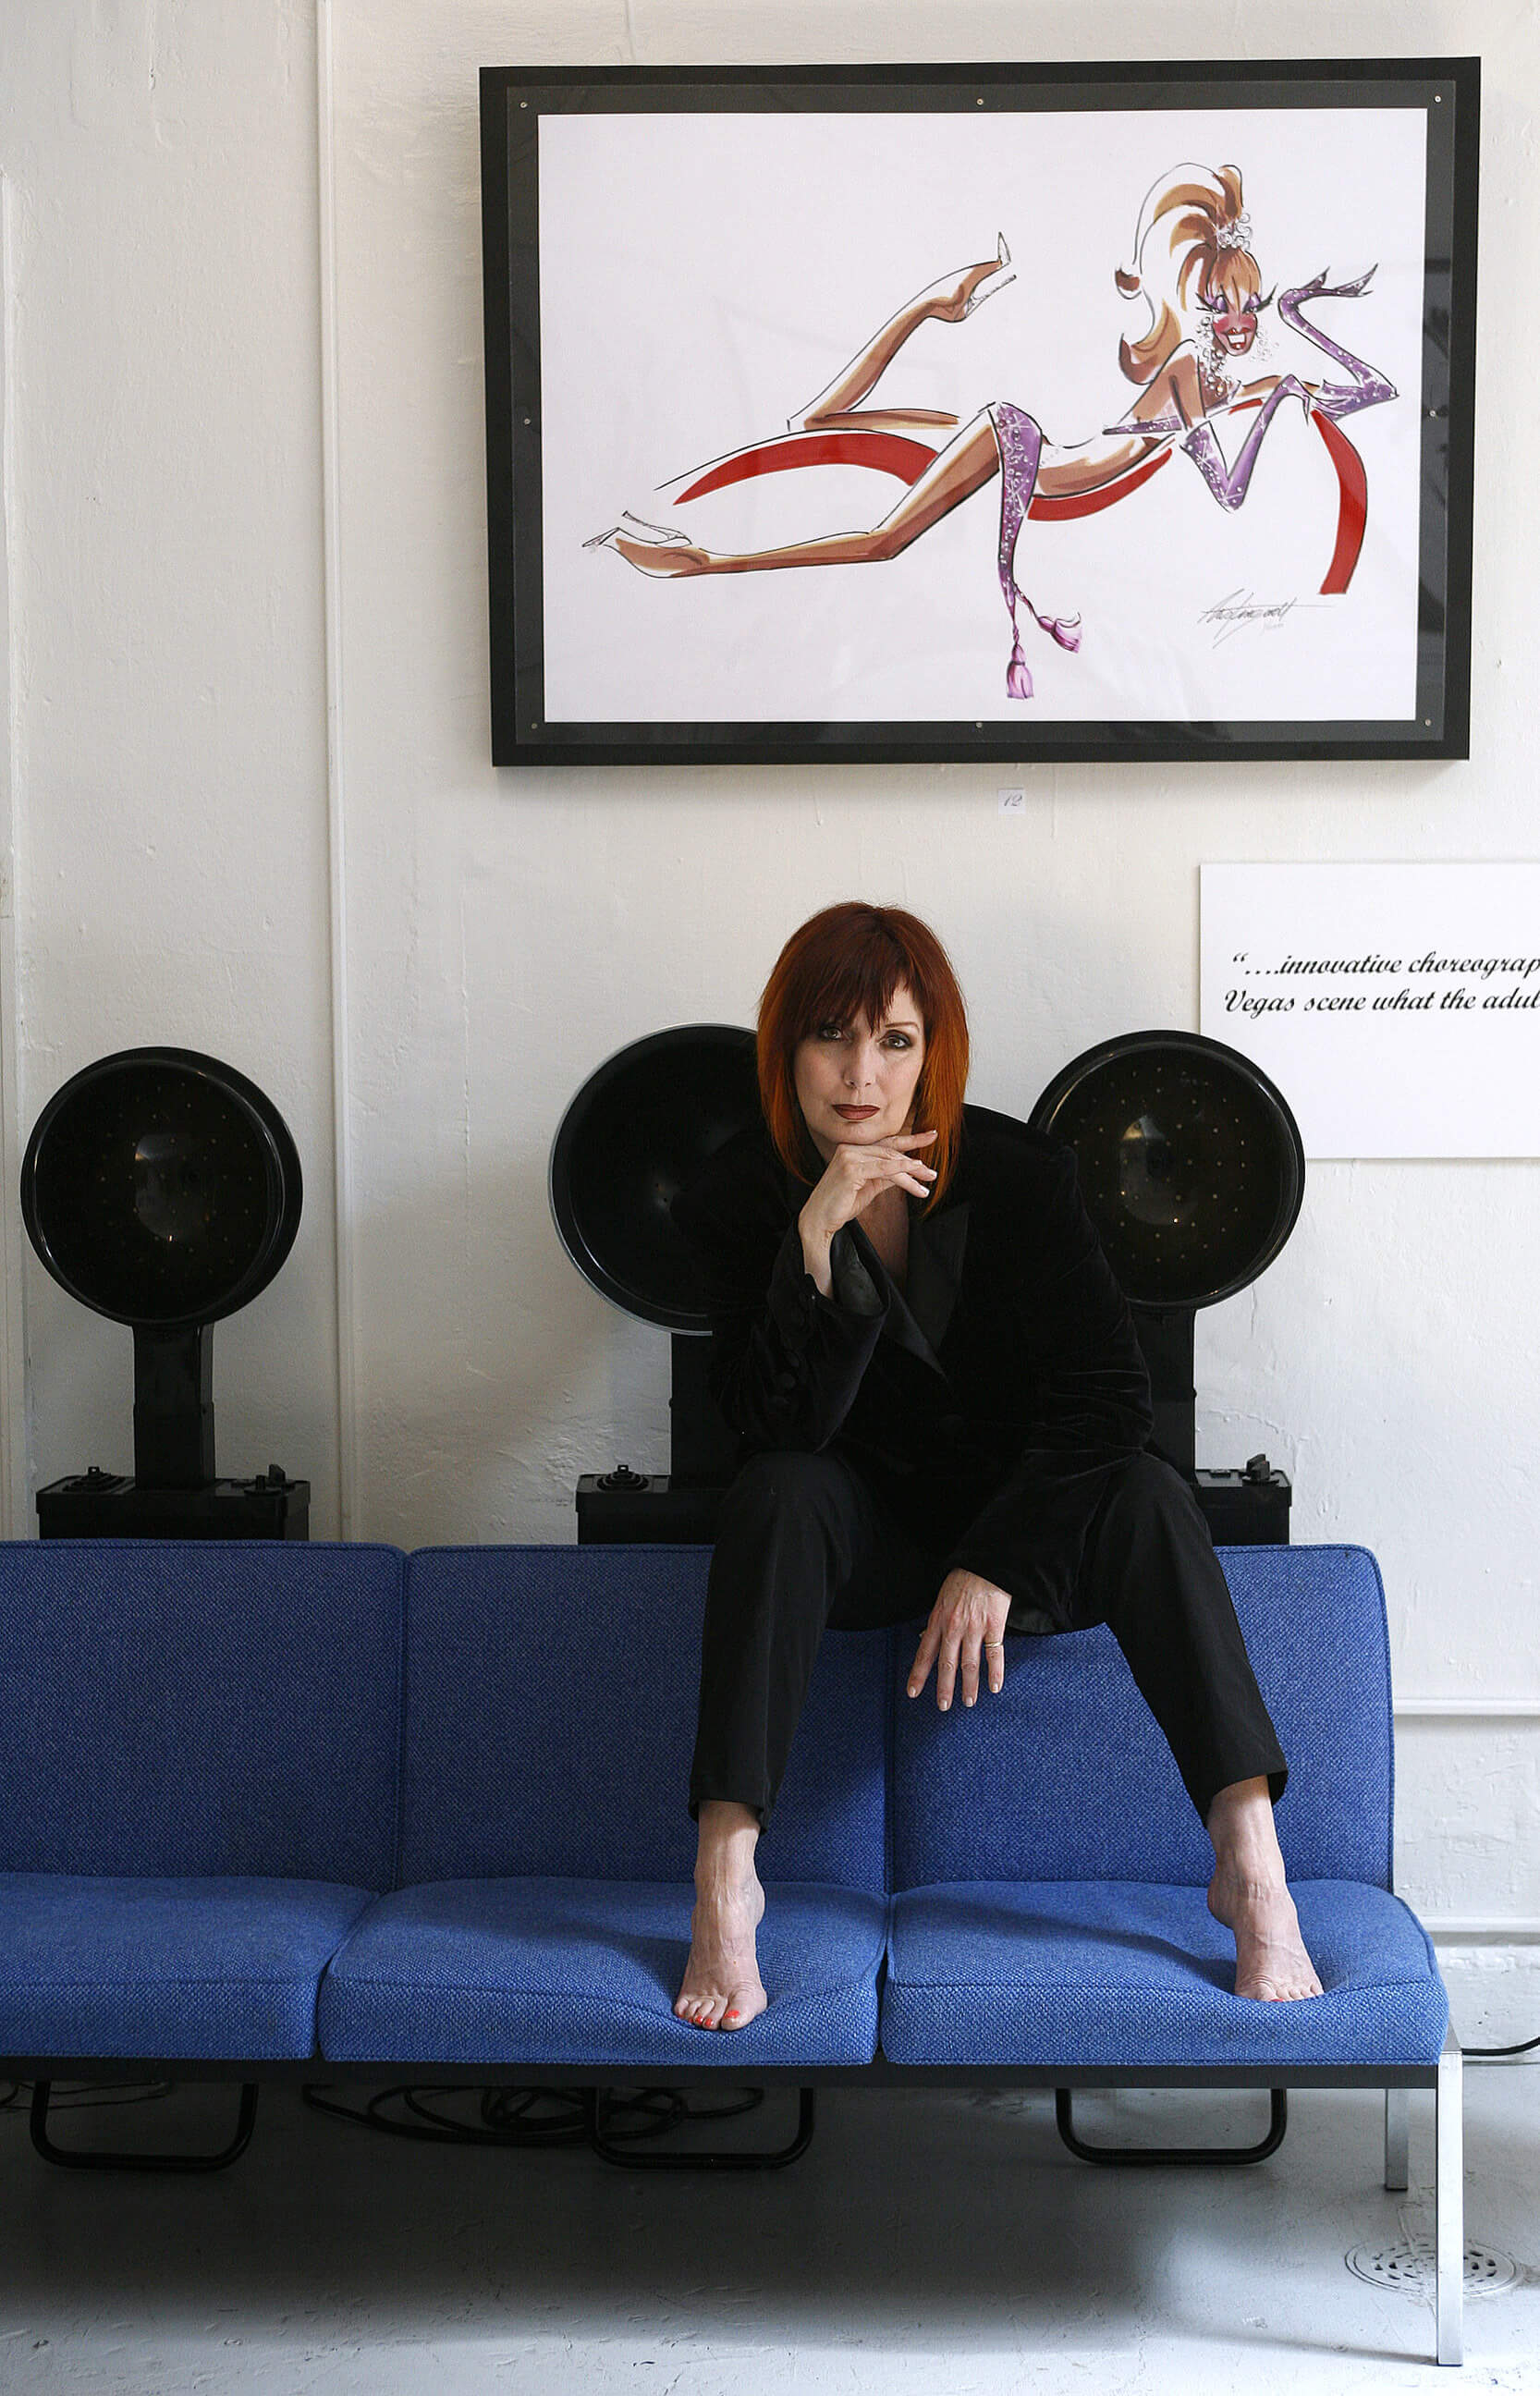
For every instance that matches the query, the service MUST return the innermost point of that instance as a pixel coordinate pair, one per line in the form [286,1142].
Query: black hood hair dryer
[642,1126]
[1192,1169]
[162,1189]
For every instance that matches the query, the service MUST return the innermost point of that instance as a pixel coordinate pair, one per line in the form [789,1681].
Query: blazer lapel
[936,1247]
[917,1315]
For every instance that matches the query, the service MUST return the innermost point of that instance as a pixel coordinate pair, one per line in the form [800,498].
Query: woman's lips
[856,1114]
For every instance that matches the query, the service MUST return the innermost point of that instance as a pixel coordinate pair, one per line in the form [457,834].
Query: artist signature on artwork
[1240,610]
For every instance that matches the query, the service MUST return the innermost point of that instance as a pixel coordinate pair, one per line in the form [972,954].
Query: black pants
[804,1542]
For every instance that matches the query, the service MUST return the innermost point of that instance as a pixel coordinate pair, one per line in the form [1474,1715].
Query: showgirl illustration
[1193,268]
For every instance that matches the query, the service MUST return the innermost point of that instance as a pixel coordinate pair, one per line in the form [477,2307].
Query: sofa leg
[731,2159]
[1398,2107]
[1449,2204]
[92,2159]
[1064,2114]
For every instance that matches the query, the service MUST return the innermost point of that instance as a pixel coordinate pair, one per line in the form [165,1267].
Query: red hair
[849,960]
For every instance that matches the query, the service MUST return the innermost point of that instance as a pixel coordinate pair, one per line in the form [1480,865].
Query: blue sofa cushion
[192,1707]
[1065,1771]
[585,1972]
[1123,1972]
[222,1969]
[551,1705]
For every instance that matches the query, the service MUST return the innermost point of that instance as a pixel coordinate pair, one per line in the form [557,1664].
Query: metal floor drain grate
[1408,2266]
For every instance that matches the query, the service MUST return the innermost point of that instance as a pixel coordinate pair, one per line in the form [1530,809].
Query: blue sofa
[264,1807]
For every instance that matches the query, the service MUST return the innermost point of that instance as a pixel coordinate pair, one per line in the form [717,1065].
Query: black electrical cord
[1484,2053]
[65,2093]
[548,2117]
[524,2116]
[510,2117]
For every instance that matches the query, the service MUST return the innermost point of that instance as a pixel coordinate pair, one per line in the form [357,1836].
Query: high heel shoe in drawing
[637,528]
[954,296]
[651,547]
[1000,273]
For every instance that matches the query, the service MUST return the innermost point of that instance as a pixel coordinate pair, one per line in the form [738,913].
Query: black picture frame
[516,102]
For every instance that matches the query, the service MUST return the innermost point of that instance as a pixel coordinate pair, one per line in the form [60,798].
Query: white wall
[166,664]
[178,283]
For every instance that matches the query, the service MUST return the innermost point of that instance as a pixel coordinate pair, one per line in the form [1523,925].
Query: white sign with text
[1396,1007]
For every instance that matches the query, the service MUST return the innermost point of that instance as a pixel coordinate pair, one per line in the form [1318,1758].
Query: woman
[1193,266]
[943,1410]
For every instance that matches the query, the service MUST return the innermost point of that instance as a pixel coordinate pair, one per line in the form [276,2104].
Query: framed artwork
[992,412]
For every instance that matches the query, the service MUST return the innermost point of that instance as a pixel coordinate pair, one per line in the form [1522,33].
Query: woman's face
[1232,307]
[1234,328]
[855,1080]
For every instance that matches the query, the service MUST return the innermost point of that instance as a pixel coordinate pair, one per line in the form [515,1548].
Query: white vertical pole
[15,1510]
[347,1322]
[1448,2201]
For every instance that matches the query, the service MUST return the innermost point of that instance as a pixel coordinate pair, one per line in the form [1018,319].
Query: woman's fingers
[946,1662]
[859,1172]
[861,1157]
[998,1613]
[924,1657]
[880,1158]
[903,1168]
[966,1638]
[855,1176]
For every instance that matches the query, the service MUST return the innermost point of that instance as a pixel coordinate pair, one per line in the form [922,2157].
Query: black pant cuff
[1203,1793]
[703,1793]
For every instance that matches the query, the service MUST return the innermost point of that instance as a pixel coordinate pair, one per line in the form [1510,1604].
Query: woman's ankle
[728,1835]
[1242,1833]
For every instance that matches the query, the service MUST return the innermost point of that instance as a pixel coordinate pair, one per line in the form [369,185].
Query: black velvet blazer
[988,1401]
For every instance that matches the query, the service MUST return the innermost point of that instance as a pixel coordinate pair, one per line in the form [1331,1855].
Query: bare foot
[721,1988]
[1270,1958]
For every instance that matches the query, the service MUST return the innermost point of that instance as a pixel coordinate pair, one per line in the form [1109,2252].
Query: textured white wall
[167,668]
[505,932]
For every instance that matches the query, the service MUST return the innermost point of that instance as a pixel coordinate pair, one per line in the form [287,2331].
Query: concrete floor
[927,2240]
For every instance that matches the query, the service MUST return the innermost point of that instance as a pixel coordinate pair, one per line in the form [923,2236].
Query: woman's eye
[832,1031]
[899,1039]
